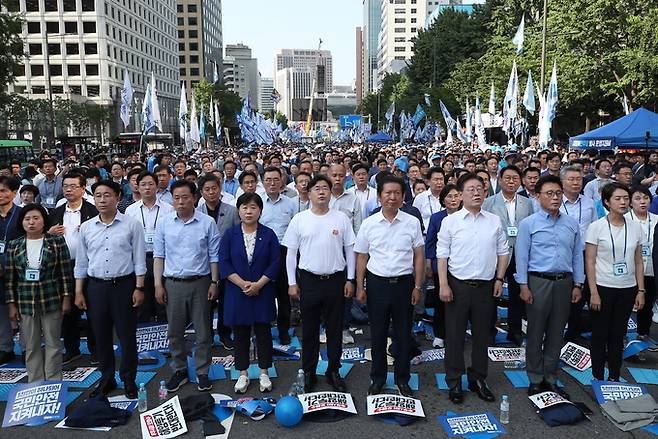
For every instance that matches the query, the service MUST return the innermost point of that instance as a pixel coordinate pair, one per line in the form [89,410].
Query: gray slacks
[189,299]
[547,317]
[39,366]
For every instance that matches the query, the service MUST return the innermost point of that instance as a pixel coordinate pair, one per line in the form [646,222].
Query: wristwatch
[140,289]
[579,286]
[214,282]
[500,279]
[416,287]
[641,291]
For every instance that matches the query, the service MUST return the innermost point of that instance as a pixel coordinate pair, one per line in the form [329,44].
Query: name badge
[619,269]
[32,274]
[148,237]
[2,247]
[646,250]
[512,231]
[50,200]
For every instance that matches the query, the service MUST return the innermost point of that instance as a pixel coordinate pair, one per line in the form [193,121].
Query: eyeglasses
[71,186]
[511,178]
[474,190]
[553,194]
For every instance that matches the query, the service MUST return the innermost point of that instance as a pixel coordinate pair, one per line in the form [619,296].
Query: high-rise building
[79,50]
[241,72]
[292,83]
[310,59]
[266,104]
[372,24]
[200,40]
[359,65]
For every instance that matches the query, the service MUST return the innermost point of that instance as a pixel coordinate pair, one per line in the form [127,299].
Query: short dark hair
[249,197]
[142,175]
[609,189]
[598,163]
[230,162]
[381,161]
[189,172]
[318,178]
[180,161]
[49,160]
[162,168]
[510,168]
[183,183]
[444,193]
[529,169]
[358,167]
[10,182]
[466,178]
[245,174]
[273,169]
[552,155]
[29,208]
[206,178]
[116,187]
[31,188]
[641,189]
[134,171]
[546,179]
[435,170]
[76,175]
[302,174]
[390,179]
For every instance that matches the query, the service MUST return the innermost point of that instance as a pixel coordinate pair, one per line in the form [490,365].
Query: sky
[268,25]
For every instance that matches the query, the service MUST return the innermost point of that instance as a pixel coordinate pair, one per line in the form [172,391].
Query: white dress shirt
[510,205]
[472,244]
[582,210]
[349,204]
[428,205]
[71,222]
[148,218]
[390,245]
[363,196]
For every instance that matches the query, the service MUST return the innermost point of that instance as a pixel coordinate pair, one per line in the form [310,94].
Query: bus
[129,143]
[14,149]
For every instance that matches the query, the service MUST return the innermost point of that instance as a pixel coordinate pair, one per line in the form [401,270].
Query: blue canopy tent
[379,137]
[636,130]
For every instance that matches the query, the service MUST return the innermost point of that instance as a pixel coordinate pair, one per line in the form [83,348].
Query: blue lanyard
[580,209]
[157,212]
[614,256]
[648,225]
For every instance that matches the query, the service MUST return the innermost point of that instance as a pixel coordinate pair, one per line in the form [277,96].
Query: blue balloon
[289,411]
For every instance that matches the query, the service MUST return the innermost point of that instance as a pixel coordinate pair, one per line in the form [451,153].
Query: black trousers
[439,320]
[282,298]
[644,315]
[110,306]
[71,328]
[470,302]
[222,330]
[575,323]
[150,310]
[389,301]
[263,345]
[516,307]
[609,328]
[321,299]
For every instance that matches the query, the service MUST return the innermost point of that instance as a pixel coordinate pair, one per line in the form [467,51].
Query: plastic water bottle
[142,398]
[297,387]
[504,410]
[162,392]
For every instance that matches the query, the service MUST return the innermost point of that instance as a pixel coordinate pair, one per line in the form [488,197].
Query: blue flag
[418,115]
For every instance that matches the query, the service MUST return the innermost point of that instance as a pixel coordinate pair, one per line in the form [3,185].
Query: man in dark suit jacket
[67,219]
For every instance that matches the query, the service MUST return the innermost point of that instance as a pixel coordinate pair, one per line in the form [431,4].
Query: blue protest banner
[152,338]
[612,391]
[468,424]
[36,403]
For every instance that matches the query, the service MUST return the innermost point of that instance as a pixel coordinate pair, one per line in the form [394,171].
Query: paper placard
[164,421]
[506,354]
[576,356]
[36,403]
[547,399]
[460,425]
[78,374]
[380,404]
[612,391]
[12,375]
[152,338]
[227,361]
[316,401]
[429,356]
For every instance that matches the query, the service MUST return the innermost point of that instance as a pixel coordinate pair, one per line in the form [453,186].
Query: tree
[279,118]
[11,47]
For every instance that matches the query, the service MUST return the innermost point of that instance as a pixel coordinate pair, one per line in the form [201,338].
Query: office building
[241,72]
[308,59]
[266,103]
[372,23]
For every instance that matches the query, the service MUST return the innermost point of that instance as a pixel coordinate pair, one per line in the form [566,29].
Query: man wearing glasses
[511,209]
[472,255]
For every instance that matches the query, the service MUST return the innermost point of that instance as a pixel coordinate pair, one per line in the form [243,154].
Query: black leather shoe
[456,394]
[375,388]
[516,339]
[105,387]
[284,338]
[482,390]
[548,387]
[405,390]
[130,389]
[534,389]
[336,382]
[310,380]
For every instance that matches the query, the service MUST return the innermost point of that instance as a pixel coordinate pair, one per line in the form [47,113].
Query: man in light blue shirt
[231,183]
[186,252]
[278,211]
[550,272]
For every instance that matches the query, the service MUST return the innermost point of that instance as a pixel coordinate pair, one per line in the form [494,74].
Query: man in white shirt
[472,256]
[603,170]
[361,189]
[324,239]
[390,246]
[428,202]
[148,211]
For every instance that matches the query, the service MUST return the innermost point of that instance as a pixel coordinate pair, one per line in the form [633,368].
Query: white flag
[154,102]
[194,123]
[182,113]
[126,99]
[479,125]
[627,108]
[519,36]
[492,102]
[552,96]
[218,123]
[529,95]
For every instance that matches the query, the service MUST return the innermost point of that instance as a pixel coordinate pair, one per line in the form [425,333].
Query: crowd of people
[329,236]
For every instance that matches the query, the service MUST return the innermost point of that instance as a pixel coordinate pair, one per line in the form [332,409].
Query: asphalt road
[524,423]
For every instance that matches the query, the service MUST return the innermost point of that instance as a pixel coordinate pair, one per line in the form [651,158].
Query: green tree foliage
[229,102]
[11,46]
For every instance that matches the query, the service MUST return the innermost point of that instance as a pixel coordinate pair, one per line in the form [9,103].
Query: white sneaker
[323,337]
[438,343]
[242,384]
[347,337]
[265,383]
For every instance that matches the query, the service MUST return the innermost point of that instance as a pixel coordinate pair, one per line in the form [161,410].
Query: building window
[32,5]
[413,20]
[400,39]
[191,21]
[400,20]
[73,70]
[39,90]
[36,70]
[88,5]
[399,30]
[91,69]
[89,27]
[413,11]
[179,8]
[181,59]
[35,49]
[182,71]
[69,5]
[191,8]
[52,27]
[399,10]
[55,70]
[400,57]
[181,34]
[54,49]
[93,90]
[413,30]
[193,33]
[71,27]
[194,71]
[50,5]
[181,21]
[75,89]
[91,49]
[194,46]
[181,47]
[399,49]
[72,49]
[33,27]
[194,59]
